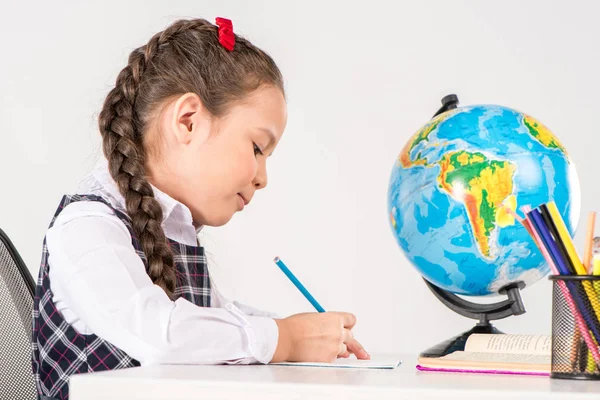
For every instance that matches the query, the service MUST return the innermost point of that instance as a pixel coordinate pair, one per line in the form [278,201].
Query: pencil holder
[575,327]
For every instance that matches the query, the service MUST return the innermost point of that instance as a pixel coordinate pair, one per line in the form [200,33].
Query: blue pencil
[297,283]
[540,226]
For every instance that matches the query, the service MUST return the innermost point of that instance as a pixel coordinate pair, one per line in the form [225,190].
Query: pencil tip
[276,259]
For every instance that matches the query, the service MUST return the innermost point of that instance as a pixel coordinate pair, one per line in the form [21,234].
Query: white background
[361,78]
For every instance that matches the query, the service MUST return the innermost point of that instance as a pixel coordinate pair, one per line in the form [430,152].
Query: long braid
[124,150]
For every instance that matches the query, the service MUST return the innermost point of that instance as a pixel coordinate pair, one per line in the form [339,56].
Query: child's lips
[246,201]
[242,202]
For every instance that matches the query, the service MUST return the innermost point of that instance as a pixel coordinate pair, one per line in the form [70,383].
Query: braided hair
[186,57]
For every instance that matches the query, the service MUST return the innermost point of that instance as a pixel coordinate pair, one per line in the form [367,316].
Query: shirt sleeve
[96,274]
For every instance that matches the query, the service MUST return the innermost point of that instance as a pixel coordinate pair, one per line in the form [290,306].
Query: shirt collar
[173,210]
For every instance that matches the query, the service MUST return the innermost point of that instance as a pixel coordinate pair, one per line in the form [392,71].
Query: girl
[123,280]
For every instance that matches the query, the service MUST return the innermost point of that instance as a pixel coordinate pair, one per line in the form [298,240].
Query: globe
[451,189]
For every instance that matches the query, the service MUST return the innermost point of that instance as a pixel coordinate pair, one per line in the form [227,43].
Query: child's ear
[190,119]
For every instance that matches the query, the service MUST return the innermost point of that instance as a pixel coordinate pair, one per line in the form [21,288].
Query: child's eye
[257,149]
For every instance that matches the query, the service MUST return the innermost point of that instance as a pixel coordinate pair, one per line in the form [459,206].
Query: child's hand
[317,337]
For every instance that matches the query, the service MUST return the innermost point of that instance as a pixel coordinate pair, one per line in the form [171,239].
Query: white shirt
[100,286]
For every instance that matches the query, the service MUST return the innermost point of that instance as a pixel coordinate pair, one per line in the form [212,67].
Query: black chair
[16,304]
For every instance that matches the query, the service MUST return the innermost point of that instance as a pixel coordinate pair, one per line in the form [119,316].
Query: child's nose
[260,180]
[260,183]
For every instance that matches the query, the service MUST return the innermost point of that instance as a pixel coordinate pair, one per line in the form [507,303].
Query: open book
[496,353]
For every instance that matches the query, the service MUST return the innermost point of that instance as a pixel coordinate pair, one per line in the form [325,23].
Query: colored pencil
[298,285]
[589,239]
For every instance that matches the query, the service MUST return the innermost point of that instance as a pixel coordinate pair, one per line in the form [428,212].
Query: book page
[509,344]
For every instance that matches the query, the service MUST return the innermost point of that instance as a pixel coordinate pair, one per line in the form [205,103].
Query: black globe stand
[484,313]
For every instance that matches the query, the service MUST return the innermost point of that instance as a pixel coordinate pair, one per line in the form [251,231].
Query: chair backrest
[16,305]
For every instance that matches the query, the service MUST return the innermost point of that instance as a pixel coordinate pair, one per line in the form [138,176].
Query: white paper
[380,362]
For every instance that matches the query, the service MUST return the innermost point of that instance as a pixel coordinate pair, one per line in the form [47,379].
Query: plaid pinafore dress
[60,351]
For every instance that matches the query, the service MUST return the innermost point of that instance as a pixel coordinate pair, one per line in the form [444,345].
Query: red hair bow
[226,36]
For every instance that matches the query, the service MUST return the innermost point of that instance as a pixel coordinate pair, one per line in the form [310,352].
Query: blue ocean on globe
[452,185]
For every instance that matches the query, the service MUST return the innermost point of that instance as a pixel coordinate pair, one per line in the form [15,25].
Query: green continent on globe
[543,134]
[485,187]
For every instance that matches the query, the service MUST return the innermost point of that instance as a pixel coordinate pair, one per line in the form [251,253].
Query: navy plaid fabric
[60,351]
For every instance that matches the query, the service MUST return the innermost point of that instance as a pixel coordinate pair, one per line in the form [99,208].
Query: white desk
[282,382]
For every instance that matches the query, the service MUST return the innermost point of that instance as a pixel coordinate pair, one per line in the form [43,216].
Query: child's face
[214,166]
